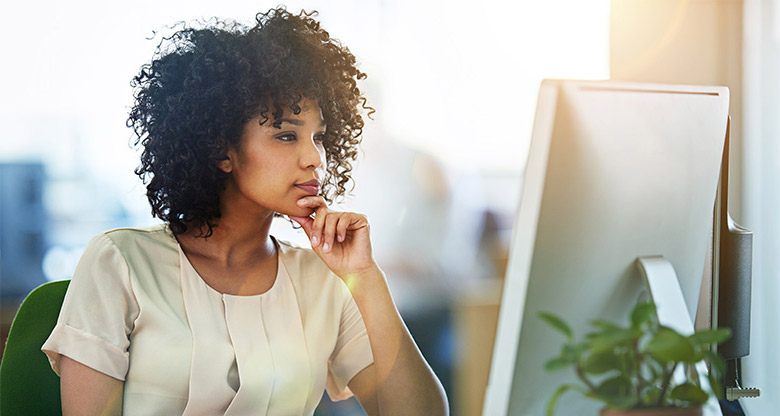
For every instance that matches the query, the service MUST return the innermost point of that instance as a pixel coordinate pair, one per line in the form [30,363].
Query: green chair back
[28,386]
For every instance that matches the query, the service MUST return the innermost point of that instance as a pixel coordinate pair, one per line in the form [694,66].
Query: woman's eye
[319,137]
[286,137]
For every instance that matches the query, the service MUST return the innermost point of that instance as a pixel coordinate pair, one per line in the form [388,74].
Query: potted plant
[630,369]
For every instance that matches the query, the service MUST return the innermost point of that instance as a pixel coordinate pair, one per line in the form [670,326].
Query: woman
[209,314]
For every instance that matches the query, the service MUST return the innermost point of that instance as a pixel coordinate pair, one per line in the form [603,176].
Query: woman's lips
[309,189]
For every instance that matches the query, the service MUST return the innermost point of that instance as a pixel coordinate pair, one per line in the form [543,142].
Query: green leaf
[617,392]
[622,403]
[605,325]
[573,352]
[698,354]
[601,362]
[710,336]
[611,340]
[570,355]
[557,323]
[642,313]
[715,385]
[650,396]
[614,387]
[557,363]
[690,393]
[553,403]
[715,361]
[667,346]
[717,368]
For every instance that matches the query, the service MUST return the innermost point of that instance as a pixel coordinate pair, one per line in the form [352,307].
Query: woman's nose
[312,154]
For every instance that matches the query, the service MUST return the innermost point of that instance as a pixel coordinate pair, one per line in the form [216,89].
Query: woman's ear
[225,165]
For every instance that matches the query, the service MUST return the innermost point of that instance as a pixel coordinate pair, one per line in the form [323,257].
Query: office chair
[28,386]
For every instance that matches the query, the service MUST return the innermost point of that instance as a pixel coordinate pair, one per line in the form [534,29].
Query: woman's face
[275,167]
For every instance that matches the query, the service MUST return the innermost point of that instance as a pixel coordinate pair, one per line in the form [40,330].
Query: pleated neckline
[260,335]
[186,264]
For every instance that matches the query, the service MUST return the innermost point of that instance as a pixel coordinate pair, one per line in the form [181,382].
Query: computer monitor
[616,172]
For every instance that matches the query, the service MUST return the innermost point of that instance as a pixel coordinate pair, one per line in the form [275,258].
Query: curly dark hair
[203,85]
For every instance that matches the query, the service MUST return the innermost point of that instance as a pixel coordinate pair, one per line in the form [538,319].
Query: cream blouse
[137,311]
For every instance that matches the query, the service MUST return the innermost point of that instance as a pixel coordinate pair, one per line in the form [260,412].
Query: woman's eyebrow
[297,122]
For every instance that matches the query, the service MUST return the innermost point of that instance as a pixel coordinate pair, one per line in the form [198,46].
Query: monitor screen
[616,171]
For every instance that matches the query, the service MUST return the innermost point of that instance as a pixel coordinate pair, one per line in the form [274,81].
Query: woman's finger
[305,223]
[320,207]
[329,230]
[342,226]
[314,202]
[358,221]
[319,223]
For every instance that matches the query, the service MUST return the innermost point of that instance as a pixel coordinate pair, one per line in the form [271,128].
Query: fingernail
[341,238]
[325,247]
[315,240]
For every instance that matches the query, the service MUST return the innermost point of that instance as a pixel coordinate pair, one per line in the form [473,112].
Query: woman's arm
[400,382]
[363,386]
[402,379]
[86,391]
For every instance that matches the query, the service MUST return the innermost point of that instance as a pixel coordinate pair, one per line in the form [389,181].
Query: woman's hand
[400,382]
[341,239]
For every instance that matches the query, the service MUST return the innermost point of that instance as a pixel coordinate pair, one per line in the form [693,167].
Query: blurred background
[454,84]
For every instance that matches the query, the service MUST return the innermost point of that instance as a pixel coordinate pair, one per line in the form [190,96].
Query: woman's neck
[237,239]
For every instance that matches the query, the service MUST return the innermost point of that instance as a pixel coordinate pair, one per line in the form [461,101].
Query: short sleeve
[97,313]
[352,352]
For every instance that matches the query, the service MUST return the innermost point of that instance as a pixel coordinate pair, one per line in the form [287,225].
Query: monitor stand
[665,291]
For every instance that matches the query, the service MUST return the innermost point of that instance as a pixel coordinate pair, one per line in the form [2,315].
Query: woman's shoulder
[301,258]
[304,266]
[128,240]
[293,249]
[117,252]
[138,232]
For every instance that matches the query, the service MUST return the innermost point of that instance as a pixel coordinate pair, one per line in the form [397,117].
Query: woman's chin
[298,212]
